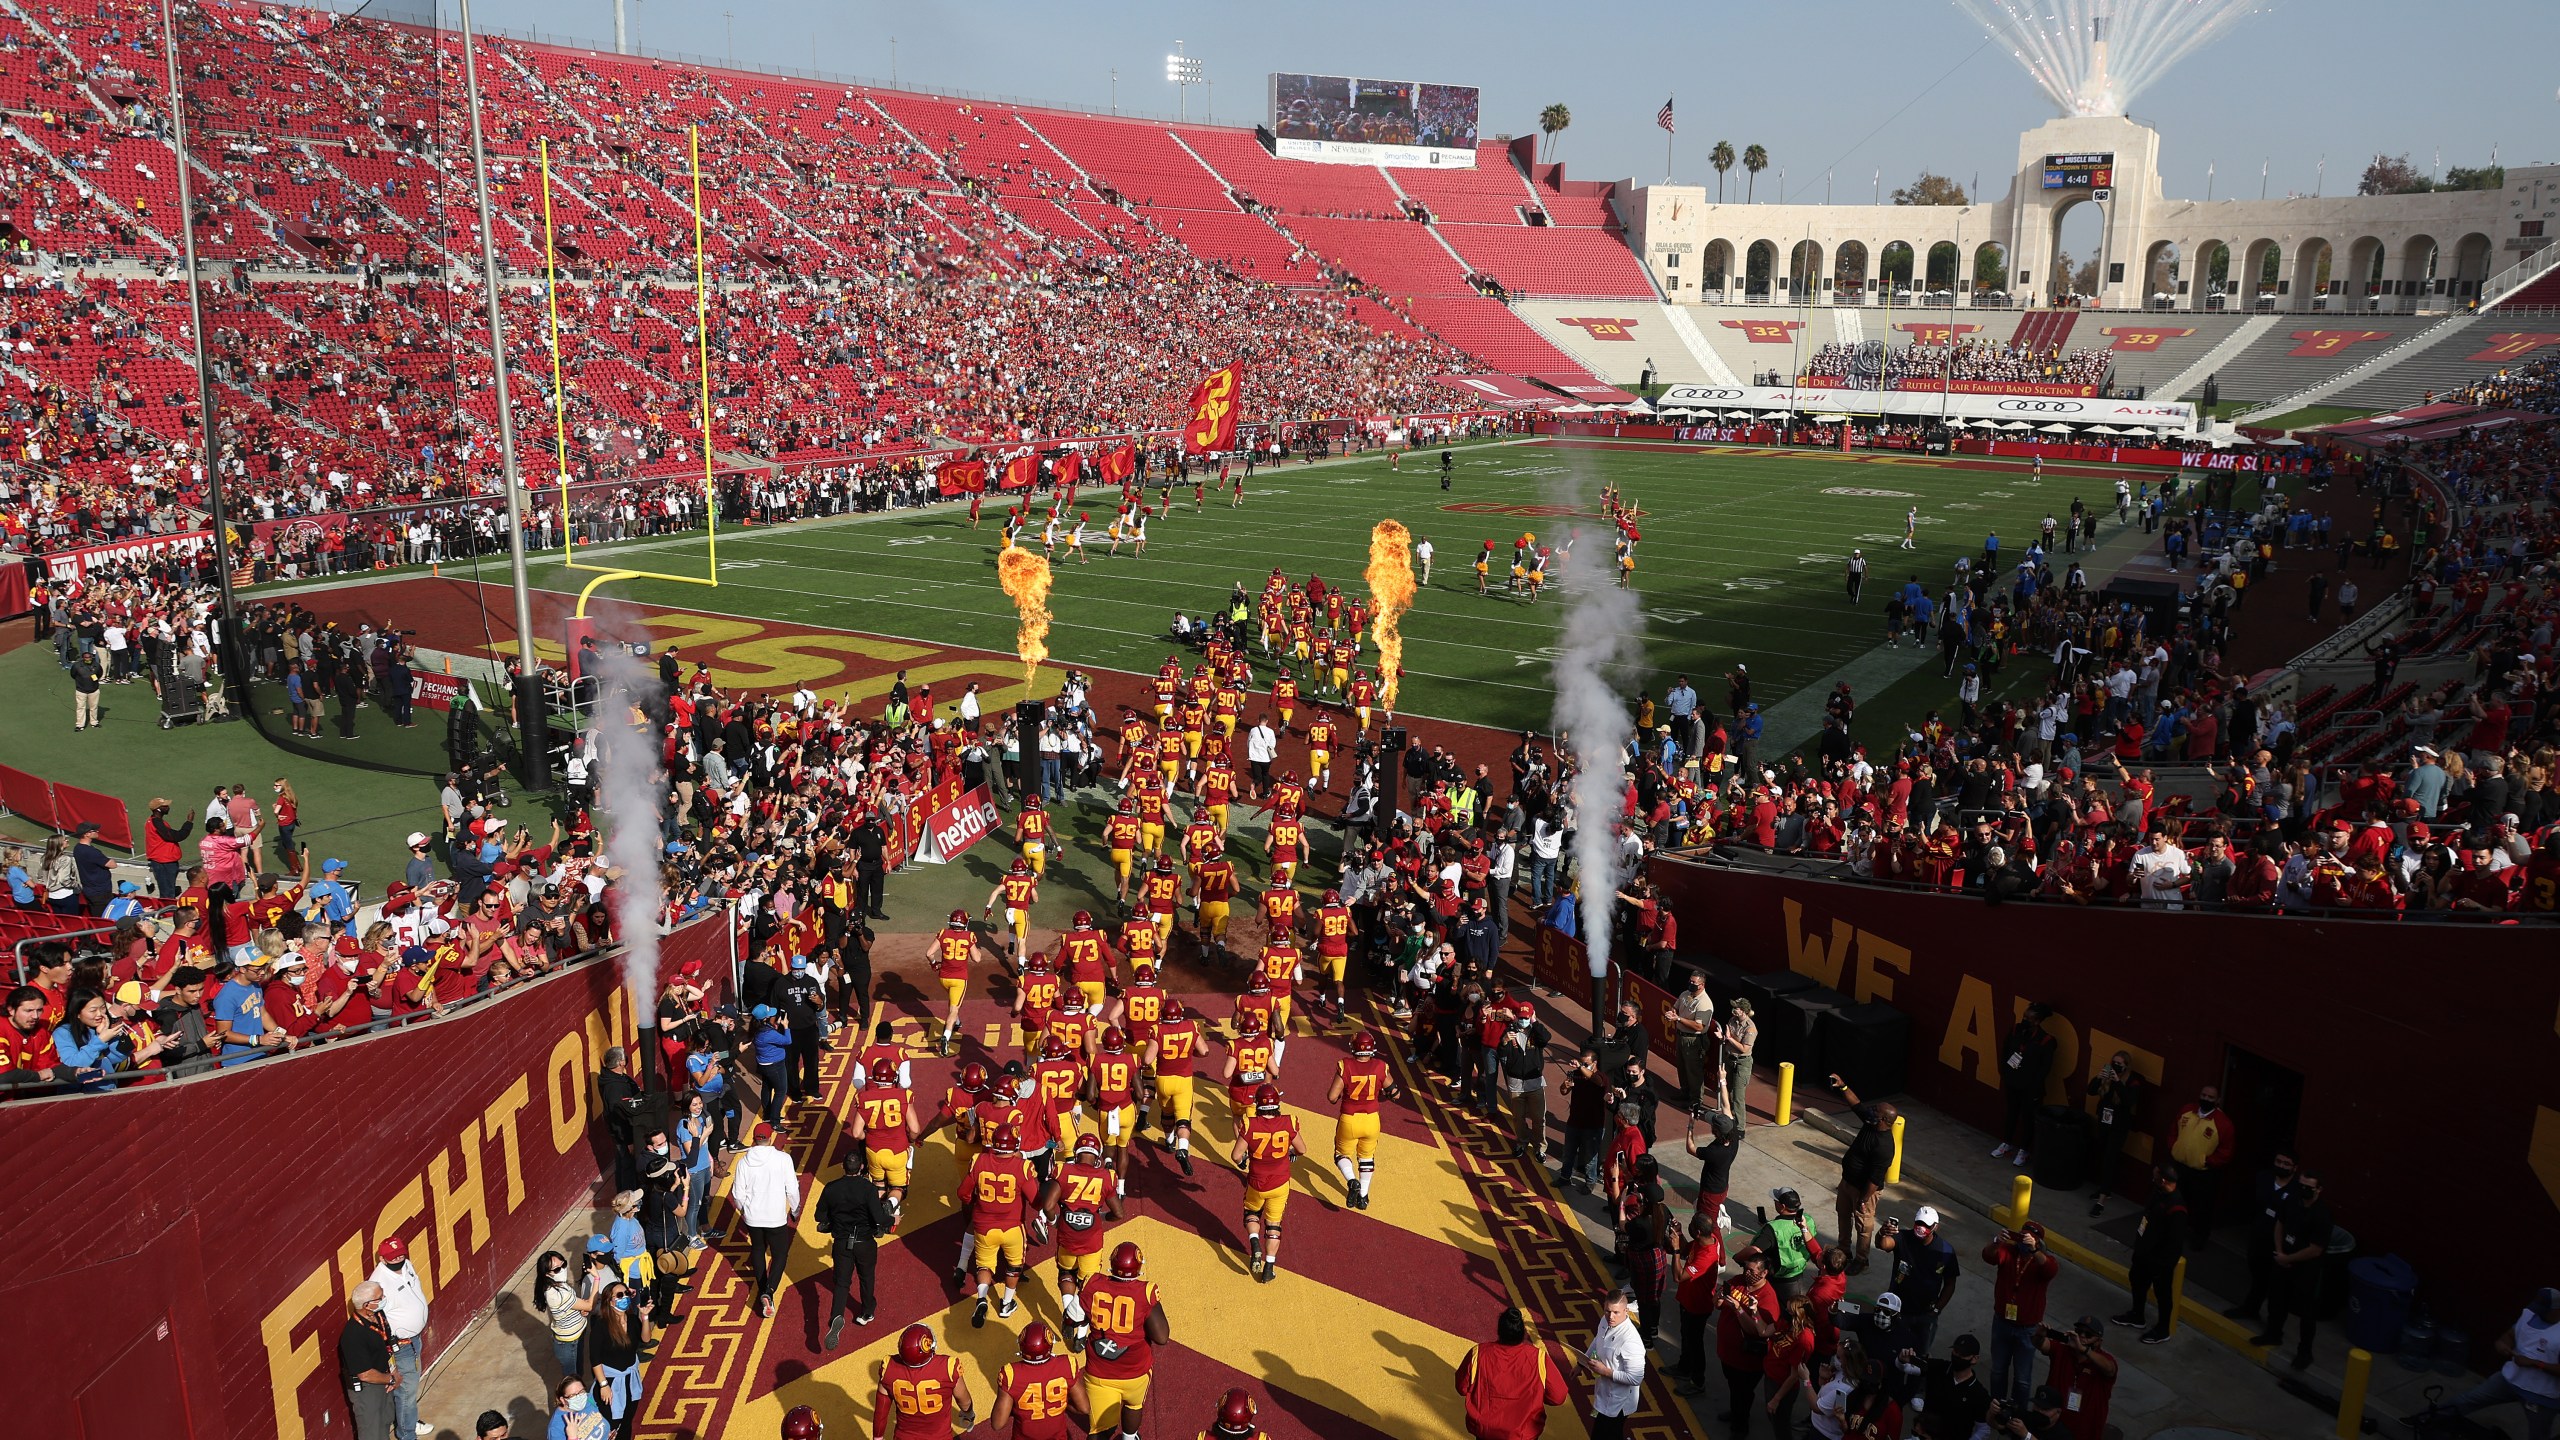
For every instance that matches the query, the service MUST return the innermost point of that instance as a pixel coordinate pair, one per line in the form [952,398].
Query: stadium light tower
[1184,71]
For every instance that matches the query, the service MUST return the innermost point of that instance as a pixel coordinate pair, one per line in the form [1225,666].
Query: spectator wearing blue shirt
[709,1077]
[128,902]
[22,886]
[421,870]
[1924,1273]
[240,1013]
[95,1044]
[331,897]
[772,1044]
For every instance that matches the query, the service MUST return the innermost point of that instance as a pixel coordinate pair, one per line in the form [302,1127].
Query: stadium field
[1741,561]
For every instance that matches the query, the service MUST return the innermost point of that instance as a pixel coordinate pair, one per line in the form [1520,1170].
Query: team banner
[1067,468]
[1021,472]
[2032,411]
[1214,403]
[961,477]
[1119,464]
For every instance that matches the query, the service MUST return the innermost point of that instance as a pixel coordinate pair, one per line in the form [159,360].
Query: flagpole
[1669,133]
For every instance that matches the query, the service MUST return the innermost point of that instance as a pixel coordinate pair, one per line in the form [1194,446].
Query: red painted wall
[196,1241]
[2420,1046]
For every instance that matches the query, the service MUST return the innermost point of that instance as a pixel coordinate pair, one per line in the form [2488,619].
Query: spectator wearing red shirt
[2082,1377]
[1701,1260]
[2482,888]
[26,1038]
[2022,1271]
[1510,1384]
[1746,1311]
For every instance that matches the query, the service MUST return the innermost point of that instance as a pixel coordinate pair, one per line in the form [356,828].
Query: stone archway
[1990,272]
[2417,272]
[2160,275]
[1849,268]
[2363,271]
[2473,254]
[1940,273]
[2261,270]
[1715,273]
[1893,266]
[1804,268]
[2209,278]
[1760,267]
[2314,274]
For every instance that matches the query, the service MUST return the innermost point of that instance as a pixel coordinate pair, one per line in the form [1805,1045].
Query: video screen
[1347,110]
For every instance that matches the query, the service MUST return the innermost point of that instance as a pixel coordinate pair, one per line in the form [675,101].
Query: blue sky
[2299,79]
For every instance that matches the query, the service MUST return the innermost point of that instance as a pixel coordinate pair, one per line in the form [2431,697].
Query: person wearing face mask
[574,1415]
[556,1299]
[364,1363]
[2300,1236]
[616,1341]
[404,1310]
[2273,1192]
[2200,1147]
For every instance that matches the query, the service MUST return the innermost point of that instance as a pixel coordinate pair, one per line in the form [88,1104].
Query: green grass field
[1742,561]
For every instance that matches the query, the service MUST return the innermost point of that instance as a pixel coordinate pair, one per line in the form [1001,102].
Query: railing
[217,1062]
[2515,277]
[1731,855]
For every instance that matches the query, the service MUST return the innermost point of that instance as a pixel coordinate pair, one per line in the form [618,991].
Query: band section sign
[958,824]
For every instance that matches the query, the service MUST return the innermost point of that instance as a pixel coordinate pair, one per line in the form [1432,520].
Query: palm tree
[1552,120]
[1721,157]
[1754,159]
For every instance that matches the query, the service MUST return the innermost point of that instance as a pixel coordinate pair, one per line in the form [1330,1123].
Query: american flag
[1662,117]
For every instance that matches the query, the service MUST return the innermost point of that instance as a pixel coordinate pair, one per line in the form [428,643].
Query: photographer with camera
[1746,1316]
[1788,1240]
[1924,1272]
[1522,1060]
[2082,1375]
[1715,1159]
[2022,1272]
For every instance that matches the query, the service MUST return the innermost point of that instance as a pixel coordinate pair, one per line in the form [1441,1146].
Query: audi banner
[2004,410]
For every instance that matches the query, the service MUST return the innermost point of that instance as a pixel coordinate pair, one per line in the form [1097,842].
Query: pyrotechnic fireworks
[2094,56]
[1391,587]
[1025,575]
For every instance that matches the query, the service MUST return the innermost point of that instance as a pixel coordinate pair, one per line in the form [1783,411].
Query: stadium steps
[79,63]
[1712,364]
[79,181]
[1847,326]
[2150,369]
[2223,351]
[2267,368]
[2408,347]
[2044,330]
[1491,193]
[2443,366]
[925,201]
[532,77]
[319,157]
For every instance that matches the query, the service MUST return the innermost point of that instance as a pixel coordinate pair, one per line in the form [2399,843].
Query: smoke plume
[1597,654]
[1025,576]
[1391,587]
[628,788]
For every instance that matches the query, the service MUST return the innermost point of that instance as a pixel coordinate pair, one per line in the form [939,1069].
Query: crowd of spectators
[1872,365]
[875,291]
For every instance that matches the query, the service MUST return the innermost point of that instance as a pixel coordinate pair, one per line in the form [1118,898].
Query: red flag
[962,477]
[1021,472]
[1119,464]
[1214,403]
[1066,468]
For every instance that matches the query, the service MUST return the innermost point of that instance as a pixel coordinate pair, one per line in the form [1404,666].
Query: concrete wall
[2392,253]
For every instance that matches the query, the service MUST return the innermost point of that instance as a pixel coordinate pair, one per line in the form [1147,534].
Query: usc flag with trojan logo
[1214,402]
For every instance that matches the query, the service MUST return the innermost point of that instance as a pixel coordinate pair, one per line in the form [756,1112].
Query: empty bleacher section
[1550,260]
[2464,355]
[2298,351]
[1490,194]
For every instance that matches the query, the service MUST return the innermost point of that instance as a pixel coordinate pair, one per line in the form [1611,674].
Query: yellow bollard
[2351,1394]
[1893,1174]
[2177,1293]
[2022,1194]
[1786,1091]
